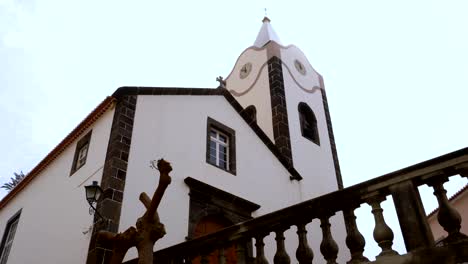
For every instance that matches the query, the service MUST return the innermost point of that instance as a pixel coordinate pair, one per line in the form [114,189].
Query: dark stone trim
[123,91]
[243,204]
[231,133]
[339,179]
[113,176]
[348,216]
[207,200]
[279,108]
[83,141]
[7,229]
[266,140]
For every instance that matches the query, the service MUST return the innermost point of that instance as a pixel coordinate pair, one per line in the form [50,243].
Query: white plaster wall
[288,56]
[54,209]
[174,127]
[259,95]
[313,162]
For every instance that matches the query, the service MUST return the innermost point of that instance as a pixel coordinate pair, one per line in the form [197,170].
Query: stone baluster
[383,235]
[447,216]
[304,253]
[354,240]
[241,251]
[186,260]
[259,247]
[281,256]
[221,256]
[181,260]
[204,259]
[328,247]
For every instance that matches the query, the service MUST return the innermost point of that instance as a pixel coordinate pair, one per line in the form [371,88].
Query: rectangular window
[8,237]
[220,149]
[81,153]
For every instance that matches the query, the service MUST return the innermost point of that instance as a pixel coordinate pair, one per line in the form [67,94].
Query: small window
[81,153]
[250,113]
[220,149]
[308,123]
[8,237]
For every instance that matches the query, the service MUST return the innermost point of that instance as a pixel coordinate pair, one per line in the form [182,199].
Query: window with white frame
[8,237]
[82,154]
[220,147]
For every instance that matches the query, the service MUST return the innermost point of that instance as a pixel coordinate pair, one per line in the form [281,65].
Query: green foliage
[14,181]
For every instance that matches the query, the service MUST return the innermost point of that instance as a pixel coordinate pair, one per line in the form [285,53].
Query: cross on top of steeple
[266,34]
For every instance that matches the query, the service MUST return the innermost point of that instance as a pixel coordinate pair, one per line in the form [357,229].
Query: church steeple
[266,34]
[288,97]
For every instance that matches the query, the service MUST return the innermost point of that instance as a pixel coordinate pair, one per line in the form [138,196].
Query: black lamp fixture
[93,193]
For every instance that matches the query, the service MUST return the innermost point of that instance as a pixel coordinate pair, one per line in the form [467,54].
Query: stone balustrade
[401,185]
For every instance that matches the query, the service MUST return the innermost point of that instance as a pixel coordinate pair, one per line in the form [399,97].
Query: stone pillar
[279,109]
[113,177]
[413,221]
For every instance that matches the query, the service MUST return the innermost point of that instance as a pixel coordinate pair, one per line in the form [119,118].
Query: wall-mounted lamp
[93,193]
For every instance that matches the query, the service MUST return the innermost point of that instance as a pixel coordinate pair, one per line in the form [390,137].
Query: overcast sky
[396,72]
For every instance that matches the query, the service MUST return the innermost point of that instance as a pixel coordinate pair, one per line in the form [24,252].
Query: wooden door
[210,224]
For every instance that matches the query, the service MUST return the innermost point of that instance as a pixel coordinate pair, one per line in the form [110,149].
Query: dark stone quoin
[279,110]
[113,177]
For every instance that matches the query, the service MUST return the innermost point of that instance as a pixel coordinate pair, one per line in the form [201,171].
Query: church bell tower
[279,84]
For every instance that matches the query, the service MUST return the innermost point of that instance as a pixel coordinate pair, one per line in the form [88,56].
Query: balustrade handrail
[348,198]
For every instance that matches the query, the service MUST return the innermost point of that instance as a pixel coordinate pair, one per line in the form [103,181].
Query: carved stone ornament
[300,67]
[245,70]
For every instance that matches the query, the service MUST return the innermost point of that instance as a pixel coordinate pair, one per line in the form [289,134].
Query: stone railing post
[241,251]
[383,235]
[221,256]
[204,259]
[328,247]
[354,240]
[281,256]
[411,216]
[447,216]
[260,250]
[304,253]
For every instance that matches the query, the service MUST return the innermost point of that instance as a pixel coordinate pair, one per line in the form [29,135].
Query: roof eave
[69,139]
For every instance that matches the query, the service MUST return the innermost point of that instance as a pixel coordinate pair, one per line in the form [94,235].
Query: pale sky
[396,72]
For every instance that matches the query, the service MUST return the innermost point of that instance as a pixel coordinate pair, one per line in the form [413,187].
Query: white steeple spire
[266,34]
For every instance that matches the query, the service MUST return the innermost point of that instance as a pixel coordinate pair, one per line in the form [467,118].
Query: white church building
[259,142]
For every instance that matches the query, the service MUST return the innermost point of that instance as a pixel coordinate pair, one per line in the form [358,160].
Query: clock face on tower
[300,67]
[245,70]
